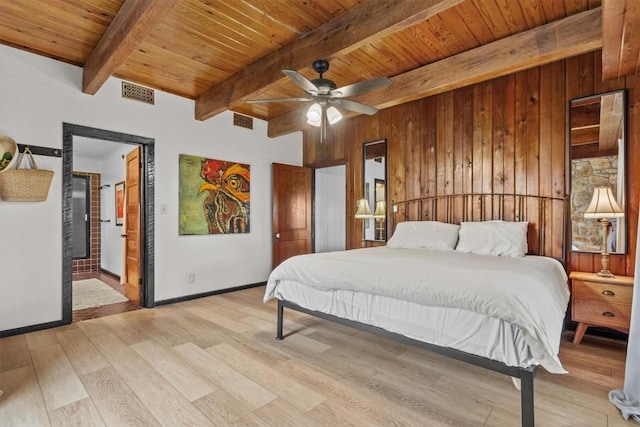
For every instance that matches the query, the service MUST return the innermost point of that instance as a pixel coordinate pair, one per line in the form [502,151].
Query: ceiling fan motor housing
[324,85]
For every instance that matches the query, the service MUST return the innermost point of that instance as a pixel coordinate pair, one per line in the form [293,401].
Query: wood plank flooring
[214,362]
[103,310]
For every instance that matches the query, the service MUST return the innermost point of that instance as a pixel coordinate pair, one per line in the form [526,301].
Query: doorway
[330,205]
[98,234]
[80,142]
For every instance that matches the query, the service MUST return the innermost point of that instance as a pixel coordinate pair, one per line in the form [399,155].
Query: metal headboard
[547,216]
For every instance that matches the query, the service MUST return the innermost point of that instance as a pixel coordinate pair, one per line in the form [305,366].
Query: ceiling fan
[327,96]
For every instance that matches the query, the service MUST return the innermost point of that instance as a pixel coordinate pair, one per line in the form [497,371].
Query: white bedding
[529,294]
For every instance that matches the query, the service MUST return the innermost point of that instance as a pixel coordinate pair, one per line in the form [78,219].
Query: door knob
[277,235]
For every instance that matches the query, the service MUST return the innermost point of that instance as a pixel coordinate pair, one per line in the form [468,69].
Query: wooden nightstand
[600,301]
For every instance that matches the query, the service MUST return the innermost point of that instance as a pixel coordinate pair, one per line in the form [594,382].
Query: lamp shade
[333,115]
[363,210]
[380,211]
[603,205]
[314,115]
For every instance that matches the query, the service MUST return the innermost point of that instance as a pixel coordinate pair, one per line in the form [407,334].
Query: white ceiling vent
[137,93]
[242,121]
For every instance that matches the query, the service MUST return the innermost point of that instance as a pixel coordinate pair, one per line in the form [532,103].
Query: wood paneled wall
[507,135]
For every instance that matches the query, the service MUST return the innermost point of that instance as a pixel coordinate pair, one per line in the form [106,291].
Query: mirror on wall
[375,189]
[597,153]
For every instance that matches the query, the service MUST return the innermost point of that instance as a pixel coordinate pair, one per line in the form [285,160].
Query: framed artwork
[119,191]
[214,196]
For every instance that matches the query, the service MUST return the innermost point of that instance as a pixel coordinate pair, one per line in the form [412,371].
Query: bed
[462,287]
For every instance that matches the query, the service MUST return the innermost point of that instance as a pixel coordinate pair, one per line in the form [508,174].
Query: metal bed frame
[471,205]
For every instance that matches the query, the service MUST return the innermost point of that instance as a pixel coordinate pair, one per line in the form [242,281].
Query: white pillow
[432,235]
[502,238]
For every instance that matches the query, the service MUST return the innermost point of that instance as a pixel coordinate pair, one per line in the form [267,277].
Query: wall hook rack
[41,151]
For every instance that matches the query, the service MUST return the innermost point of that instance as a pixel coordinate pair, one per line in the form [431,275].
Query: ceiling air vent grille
[242,121]
[137,93]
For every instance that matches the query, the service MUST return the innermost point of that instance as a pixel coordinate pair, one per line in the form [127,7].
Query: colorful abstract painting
[214,196]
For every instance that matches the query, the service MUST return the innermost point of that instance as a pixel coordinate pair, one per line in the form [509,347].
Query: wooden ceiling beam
[345,33]
[620,34]
[574,35]
[611,121]
[133,22]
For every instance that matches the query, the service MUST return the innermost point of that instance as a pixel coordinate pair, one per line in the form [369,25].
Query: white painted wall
[330,207]
[38,95]
[83,164]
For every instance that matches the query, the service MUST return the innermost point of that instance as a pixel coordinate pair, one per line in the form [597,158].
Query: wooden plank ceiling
[222,53]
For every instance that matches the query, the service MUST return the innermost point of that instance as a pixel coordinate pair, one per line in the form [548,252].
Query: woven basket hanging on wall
[25,185]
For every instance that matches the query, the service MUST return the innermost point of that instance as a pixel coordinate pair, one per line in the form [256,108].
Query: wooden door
[132,288]
[292,187]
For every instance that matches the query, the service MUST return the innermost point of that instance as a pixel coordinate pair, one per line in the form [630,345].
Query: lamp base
[604,259]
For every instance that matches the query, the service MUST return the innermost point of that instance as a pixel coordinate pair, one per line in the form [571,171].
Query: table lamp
[378,218]
[604,206]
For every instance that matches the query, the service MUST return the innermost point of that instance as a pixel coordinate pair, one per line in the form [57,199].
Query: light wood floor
[214,361]
[103,310]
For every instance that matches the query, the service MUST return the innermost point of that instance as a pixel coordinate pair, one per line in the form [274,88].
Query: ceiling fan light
[333,115]
[314,114]
[315,123]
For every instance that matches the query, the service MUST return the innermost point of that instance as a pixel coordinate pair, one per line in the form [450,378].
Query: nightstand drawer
[602,291]
[602,313]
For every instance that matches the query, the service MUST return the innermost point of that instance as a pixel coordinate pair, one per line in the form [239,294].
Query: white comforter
[530,292]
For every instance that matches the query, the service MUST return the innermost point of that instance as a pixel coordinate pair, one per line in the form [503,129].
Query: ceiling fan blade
[358,107]
[264,101]
[302,81]
[361,87]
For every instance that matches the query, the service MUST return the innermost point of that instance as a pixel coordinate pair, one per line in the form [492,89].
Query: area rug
[94,293]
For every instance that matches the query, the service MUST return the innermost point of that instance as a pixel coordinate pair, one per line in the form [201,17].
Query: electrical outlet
[192,277]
